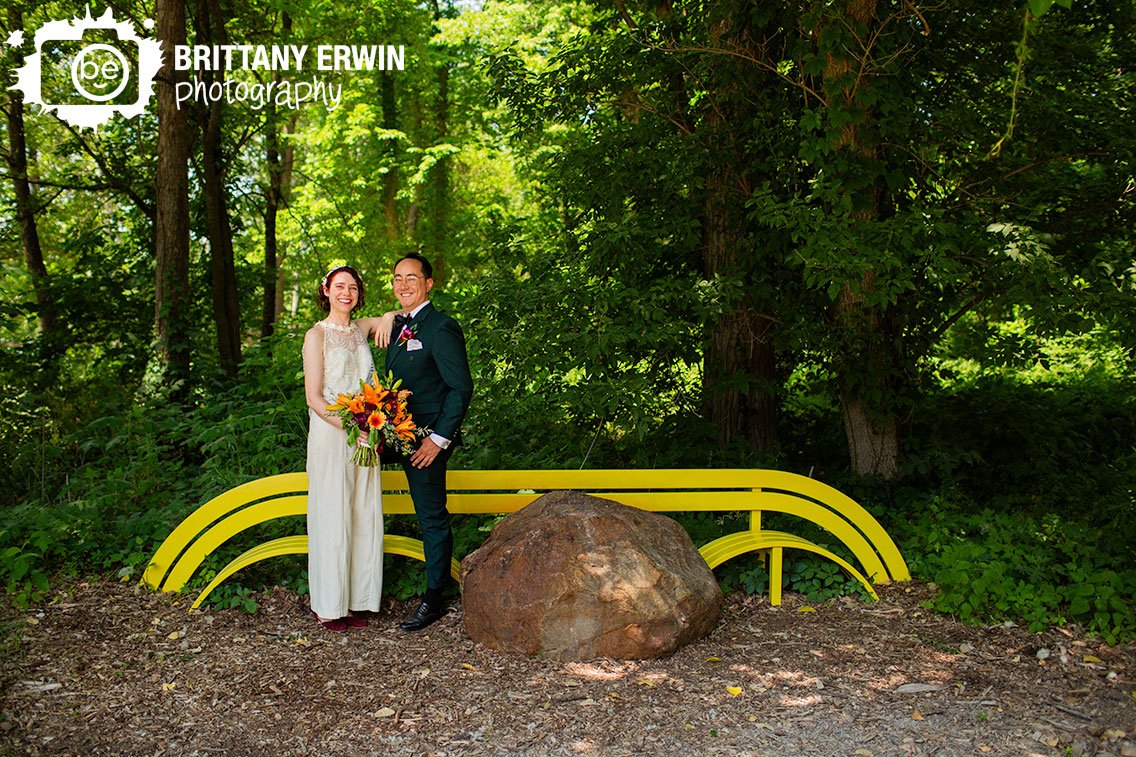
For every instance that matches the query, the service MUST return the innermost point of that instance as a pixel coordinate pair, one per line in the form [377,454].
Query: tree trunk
[49,323]
[441,180]
[390,179]
[226,307]
[271,207]
[279,179]
[171,228]
[440,222]
[739,362]
[865,366]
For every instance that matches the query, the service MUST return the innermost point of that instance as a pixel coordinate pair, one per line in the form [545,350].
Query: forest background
[885,244]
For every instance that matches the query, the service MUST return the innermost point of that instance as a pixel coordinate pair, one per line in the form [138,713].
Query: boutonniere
[407,333]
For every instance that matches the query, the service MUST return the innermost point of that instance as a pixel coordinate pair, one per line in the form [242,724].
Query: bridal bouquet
[379,410]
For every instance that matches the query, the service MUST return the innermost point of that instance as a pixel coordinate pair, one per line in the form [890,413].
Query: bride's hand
[383,330]
[361,441]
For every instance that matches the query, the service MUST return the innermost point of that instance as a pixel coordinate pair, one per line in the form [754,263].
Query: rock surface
[575,577]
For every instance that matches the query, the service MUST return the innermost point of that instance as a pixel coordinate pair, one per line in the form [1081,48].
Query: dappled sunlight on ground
[601,670]
[105,669]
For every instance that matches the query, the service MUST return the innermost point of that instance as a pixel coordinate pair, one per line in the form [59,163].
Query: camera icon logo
[88,69]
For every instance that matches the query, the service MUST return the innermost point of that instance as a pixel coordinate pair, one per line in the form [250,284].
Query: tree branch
[115,182]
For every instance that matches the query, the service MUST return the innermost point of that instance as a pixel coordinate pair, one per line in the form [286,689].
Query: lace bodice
[346,359]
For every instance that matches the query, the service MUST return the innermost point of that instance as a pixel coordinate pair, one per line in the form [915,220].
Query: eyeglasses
[410,280]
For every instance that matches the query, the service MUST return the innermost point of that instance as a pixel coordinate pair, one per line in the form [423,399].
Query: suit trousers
[428,492]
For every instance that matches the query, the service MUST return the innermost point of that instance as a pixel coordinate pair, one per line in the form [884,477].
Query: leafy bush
[995,565]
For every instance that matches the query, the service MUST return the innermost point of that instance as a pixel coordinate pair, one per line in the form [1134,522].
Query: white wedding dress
[345,517]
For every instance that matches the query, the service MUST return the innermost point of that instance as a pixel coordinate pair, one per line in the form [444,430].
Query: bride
[345,516]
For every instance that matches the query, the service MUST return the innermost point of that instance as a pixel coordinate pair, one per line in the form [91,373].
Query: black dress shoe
[423,615]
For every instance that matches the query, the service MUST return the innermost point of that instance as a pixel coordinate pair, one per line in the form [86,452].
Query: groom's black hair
[427,269]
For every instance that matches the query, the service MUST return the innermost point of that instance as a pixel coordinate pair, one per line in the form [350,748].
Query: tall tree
[171,229]
[846,33]
[210,23]
[739,360]
[440,182]
[279,162]
[49,323]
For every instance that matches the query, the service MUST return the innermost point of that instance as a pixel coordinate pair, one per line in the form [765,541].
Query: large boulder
[574,577]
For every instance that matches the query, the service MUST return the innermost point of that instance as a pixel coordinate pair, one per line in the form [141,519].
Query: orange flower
[341,402]
[355,404]
[376,419]
[373,395]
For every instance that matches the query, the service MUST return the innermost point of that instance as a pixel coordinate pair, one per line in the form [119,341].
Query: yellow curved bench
[498,492]
[298,545]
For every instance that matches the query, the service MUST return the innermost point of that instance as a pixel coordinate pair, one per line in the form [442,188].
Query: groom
[427,351]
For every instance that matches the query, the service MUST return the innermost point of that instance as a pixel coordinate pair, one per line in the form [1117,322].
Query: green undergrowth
[993,513]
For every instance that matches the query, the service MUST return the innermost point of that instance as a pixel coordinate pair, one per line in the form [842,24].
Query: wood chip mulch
[108,668]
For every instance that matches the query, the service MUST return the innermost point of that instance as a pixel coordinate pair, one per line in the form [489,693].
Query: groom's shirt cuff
[441,441]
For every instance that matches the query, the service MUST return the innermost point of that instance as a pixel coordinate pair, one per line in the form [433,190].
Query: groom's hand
[425,453]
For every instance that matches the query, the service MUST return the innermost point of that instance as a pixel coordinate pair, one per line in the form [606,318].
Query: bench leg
[775,576]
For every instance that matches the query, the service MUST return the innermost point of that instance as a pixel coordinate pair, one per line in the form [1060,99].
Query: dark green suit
[438,375]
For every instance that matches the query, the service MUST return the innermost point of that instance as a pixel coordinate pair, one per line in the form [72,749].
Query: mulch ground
[107,668]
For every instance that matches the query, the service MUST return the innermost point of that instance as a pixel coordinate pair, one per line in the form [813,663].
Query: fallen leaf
[806,608]
[918,688]
[33,621]
[42,685]
[1043,654]
[645,682]
[1113,733]
[985,748]
[864,753]
[713,659]
[613,695]
[917,715]
[1091,658]
[175,635]
[169,686]
[384,712]
[467,666]
[734,690]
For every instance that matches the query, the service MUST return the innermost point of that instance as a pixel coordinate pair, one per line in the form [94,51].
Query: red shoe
[339,625]
[355,621]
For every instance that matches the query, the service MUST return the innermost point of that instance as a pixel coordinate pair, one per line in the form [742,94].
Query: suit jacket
[437,374]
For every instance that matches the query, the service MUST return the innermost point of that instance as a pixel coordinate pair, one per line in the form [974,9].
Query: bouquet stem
[366,457]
